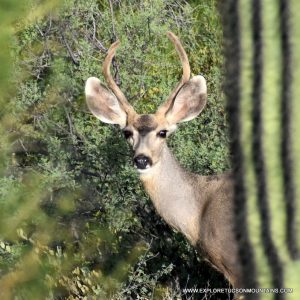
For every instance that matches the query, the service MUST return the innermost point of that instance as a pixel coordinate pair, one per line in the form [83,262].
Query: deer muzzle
[142,162]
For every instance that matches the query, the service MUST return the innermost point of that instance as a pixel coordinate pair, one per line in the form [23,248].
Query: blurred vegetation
[75,222]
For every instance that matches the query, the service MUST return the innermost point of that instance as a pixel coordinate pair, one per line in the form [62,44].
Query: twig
[149,31]
[117,72]
[50,25]
[70,125]
[97,44]
[39,30]
[69,49]
[94,27]
[86,172]
[112,19]
[23,146]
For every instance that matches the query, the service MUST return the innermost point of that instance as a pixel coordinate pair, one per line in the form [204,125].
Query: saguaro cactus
[262,86]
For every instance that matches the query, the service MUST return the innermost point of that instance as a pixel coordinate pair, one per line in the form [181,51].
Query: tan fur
[201,207]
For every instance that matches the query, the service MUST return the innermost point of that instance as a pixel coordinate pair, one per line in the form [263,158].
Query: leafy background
[75,222]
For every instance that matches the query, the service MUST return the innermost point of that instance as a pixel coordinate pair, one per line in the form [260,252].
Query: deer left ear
[104,104]
[189,102]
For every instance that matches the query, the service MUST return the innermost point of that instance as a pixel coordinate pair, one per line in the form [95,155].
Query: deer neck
[172,191]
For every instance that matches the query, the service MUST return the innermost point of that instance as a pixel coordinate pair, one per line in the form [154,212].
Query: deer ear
[189,101]
[103,104]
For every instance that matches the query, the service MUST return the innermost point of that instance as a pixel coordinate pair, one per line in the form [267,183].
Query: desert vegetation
[75,222]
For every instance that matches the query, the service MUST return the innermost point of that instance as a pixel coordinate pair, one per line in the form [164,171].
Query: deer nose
[142,162]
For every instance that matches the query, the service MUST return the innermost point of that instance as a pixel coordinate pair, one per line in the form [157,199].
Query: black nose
[142,161]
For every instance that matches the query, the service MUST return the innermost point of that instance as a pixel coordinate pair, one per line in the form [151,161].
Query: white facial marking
[143,170]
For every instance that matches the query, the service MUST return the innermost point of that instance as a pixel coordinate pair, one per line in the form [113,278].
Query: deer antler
[110,81]
[119,94]
[185,74]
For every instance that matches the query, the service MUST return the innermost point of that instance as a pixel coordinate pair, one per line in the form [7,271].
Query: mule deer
[198,206]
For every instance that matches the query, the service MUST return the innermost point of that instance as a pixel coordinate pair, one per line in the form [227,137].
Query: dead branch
[75,61]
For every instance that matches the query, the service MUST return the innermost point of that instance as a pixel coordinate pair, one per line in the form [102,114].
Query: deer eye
[127,134]
[162,133]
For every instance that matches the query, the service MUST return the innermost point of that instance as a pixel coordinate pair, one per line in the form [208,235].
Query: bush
[73,210]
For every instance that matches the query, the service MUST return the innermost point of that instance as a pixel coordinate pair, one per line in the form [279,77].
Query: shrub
[73,210]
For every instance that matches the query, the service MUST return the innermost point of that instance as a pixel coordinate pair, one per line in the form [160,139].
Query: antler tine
[109,79]
[185,74]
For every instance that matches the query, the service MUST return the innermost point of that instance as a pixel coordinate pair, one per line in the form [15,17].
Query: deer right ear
[104,104]
[189,101]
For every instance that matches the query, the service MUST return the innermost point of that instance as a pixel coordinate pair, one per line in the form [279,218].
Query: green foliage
[72,208]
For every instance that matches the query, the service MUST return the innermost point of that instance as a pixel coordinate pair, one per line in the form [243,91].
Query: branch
[69,49]
[112,20]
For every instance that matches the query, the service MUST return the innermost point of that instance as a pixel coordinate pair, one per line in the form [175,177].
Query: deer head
[147,132]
